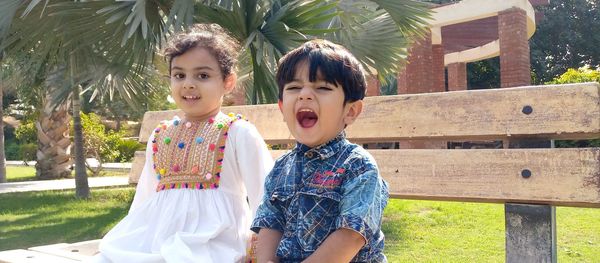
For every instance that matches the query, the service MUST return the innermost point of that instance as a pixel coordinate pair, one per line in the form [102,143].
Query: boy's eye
[178,75]
[325,88]
[292,88]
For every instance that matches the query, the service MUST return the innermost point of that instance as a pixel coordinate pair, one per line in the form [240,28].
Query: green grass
[48,217]
[429,231]
[20,173]
[416,231]
[27,173]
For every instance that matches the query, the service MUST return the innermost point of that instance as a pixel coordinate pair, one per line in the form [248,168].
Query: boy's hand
[341,246]
[266,247]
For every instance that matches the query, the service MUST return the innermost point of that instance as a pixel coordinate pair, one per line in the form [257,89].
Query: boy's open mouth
[306,118]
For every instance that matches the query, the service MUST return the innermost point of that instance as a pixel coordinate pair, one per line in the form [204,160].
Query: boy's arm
[361,211]
[266,247]
[341,246]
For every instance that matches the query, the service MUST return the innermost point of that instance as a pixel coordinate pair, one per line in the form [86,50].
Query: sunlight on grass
[429,231]
[48,217]
[20,173]
[27,173]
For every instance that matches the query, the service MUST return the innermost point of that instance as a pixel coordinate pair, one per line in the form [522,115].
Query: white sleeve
[147,181]
[254,161]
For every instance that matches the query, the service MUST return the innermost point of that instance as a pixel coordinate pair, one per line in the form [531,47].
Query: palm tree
[112,42]
[2,153]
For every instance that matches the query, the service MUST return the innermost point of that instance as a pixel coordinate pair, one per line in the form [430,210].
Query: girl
[204,173]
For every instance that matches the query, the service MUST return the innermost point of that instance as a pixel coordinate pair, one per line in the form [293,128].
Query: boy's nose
[306,94]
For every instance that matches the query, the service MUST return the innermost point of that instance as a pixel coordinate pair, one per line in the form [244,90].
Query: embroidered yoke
[189,154]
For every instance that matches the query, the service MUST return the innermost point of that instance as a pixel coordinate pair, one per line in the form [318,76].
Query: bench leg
[530,233]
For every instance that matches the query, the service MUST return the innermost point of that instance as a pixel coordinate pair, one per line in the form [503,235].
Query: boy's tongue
[307,119]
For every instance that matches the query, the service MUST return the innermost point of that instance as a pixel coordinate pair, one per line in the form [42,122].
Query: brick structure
[438,69]
[514,48]
[457,76]
[416,76]
[372,85]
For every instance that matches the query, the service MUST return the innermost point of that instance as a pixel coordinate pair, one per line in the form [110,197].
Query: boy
[323,200]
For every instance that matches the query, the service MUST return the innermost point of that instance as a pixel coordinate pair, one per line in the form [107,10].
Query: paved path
[61,184]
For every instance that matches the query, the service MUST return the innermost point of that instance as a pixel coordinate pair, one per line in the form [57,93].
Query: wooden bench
[529,181]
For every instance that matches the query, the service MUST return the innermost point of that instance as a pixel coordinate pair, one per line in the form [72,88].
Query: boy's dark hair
[211,37]
[336,64]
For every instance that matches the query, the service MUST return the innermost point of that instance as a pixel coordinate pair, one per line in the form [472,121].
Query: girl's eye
[202,76]
[325,88]
[292,88]
[179,76]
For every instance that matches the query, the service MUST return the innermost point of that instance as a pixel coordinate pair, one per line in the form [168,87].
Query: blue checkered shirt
[312,192]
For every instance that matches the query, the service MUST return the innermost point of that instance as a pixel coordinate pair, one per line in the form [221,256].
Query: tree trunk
[53,154]
[82,189]
[2,154]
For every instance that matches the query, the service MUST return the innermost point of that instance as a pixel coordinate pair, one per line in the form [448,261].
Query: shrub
[26,133]
[28,151]
[127,149]
[12,150]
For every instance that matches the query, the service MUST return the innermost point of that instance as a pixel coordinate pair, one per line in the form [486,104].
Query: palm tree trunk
[2,154]
[82,189]
[54,146]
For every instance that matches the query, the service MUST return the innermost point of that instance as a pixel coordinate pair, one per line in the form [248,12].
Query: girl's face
[197,84]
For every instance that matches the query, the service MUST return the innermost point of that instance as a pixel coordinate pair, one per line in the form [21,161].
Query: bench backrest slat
[551,112]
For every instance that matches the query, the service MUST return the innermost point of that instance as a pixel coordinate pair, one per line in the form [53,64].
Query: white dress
[190,224]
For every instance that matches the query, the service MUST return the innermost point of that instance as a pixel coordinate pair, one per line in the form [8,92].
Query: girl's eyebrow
[196,68]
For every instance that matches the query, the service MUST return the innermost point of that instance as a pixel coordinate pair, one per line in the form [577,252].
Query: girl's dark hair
[211,37]
[336,64]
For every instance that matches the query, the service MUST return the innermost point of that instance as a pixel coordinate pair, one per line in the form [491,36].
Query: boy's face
[197,84]
[315,111]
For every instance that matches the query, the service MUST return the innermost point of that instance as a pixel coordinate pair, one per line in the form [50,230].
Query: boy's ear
[279,102]
[230,82]
[352,111]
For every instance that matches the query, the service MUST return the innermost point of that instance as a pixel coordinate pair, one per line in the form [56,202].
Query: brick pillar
[372,85]
[514,48]
[457,76]
[418,70]
[438,74]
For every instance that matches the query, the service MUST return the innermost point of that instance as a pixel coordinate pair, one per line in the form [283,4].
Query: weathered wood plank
[569,177]
[554,112]
[28,256]
[137,165]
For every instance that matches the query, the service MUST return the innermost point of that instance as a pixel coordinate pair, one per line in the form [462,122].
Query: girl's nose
[189,84]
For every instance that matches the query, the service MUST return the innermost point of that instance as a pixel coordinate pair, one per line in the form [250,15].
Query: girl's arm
[147,182]
[341,246]
[254,161]
[266,248]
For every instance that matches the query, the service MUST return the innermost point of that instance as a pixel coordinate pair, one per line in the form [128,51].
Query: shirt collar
[324,150]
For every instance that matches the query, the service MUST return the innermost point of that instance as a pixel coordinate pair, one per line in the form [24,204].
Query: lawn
[416,231]
[48,217]
[27,173]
